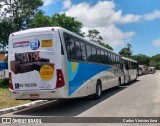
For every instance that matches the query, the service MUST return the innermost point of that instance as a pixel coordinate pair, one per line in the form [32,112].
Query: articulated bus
[54,63]
[130,68]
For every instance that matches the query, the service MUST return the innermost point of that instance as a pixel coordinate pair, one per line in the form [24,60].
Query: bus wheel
[119,81]
[98,93]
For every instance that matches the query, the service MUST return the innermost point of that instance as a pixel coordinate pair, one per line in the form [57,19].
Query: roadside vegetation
[141,59]
[5,99]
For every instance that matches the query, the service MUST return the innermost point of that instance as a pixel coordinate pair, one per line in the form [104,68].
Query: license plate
[34,96]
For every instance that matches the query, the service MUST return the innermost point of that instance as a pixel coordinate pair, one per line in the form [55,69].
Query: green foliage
[61,20]
[156,58]
[16,16]
[155,61]
[141,59]
[94,36]
[24,14]
[126,51]
[40,20]
[67,22]
[6,27]
[21,11]
[155,64]
[106,46]
[4,83]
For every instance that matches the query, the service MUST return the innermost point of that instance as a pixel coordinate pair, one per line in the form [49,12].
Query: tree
[155,61]
[67,22]
[126,51]
[6,28]
[154,64]
[141,59]
[17,15]
[106,46]
[94,36]
[129,46]
[156,58]
[40,20]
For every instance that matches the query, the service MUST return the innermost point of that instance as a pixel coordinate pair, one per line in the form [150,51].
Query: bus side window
[102,57]
[132,67]
[98,56]
[109,57]
[89,53]
[67,44]
[114,59]
[73,49]
[78,51]
[94,55]
[126,65]
[83,51]
[135,66]
[106,58]
[121,63]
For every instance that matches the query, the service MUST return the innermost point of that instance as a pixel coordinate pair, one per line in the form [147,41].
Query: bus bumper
[38,94]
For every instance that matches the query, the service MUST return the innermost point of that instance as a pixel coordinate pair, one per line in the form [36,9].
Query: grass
[5,100]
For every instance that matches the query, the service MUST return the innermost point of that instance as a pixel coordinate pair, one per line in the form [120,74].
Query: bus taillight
[10,81]
[60,79]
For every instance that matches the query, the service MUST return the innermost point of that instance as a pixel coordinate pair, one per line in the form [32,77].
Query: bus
[54,63]
[130,69]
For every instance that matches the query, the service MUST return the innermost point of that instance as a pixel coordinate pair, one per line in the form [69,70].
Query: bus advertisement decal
[46,72]
[33,70]
[34,44]
[21,44]
[47,43]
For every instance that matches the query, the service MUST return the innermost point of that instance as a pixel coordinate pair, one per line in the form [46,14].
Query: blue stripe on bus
[81,72]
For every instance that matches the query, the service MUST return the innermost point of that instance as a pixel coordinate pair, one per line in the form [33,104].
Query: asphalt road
[141,98]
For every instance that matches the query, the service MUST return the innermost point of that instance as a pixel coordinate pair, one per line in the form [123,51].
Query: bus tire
[119,81]
[98,93]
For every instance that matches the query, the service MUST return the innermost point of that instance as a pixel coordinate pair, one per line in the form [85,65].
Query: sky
[119,21]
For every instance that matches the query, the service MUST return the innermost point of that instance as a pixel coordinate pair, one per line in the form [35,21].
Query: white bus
[54,63]
[130,68]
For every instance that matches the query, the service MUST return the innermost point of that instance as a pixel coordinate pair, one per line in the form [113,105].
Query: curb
[16,108]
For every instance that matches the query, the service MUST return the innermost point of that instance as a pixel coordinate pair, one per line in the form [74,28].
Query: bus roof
[33,30]
[127,59]
[46,29]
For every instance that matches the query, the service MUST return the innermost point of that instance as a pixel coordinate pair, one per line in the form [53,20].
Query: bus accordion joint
[10,81]
[60,79]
